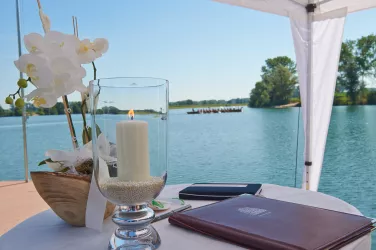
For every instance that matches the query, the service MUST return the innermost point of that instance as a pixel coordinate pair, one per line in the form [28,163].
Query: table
[46,231]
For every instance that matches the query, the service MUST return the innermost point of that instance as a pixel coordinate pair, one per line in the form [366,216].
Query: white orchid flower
[100,46]
[69,158]
[105,149]
[67,78]
[89,51]
[62,45]
[74,158]
[34,43]
[35,67]
[54,64]
[85,52]
[43,97]
[55,166]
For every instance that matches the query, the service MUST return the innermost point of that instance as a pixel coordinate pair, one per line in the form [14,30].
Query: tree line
[75,107]
[58,109]
[357,67]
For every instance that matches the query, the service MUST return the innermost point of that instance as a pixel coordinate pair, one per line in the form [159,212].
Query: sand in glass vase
[134,185]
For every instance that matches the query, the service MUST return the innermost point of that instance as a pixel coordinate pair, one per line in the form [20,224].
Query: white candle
[132,151]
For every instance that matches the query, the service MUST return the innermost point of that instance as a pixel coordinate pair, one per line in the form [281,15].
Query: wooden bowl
[66,194]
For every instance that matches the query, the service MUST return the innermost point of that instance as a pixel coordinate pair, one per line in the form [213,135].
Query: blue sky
[205,49]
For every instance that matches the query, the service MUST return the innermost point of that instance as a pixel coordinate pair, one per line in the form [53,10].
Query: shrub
[294,100]
[371,98]
[340,99]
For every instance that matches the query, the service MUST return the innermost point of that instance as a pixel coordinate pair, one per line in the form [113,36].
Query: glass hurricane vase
[130,153]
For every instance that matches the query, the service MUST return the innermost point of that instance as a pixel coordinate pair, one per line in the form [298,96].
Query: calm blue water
[258,145]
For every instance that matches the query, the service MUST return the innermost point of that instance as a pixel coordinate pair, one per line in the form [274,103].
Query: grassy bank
[205,106]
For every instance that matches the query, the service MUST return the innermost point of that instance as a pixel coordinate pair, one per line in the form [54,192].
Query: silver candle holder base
[135,230]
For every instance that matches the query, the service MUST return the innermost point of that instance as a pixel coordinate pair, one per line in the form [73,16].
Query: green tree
[53,111]
[281,84]
[357,62]
[272,63]
[75,107]
[371,98]
[113,110]
[259,96]
[40,111]
[277,84]
[349,71]
[60,108]
[366,55]
[2,111]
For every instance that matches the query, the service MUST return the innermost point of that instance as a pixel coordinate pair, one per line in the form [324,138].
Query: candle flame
[131,114]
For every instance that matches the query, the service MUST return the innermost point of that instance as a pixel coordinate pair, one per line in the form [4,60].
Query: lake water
[258,145]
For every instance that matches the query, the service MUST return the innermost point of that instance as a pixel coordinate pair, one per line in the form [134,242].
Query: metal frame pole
[309,105]
[24,117]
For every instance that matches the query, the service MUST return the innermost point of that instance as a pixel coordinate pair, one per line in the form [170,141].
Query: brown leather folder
[267,224]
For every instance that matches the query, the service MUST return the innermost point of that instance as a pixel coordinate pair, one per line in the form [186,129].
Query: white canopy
[317,29]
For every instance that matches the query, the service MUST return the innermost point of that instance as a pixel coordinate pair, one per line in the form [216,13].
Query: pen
[166,215]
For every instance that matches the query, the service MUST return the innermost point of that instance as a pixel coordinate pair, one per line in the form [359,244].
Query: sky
[205,49]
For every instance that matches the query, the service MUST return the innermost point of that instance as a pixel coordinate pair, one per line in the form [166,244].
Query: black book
[217,191]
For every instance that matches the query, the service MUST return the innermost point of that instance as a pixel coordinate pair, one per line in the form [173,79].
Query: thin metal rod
[75,19]
[24,117]
[309,104]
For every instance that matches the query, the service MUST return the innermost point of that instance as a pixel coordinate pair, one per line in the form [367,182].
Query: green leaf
[65,170]
[45,161]
[84,137]
[157,204]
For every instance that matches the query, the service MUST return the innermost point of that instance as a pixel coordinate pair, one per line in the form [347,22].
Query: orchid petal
[100,45]
[34,43]
[56,166]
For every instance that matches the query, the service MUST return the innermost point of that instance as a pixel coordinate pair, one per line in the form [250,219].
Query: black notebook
[217,191]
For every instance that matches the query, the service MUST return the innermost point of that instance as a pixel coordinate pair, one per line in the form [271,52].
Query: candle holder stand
[130,116]
[135,229]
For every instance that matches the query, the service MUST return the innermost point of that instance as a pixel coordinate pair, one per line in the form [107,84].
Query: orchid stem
[17,93]
[95,71]
[84,108]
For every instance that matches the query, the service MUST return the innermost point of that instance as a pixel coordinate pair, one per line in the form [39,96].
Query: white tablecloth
[47,231]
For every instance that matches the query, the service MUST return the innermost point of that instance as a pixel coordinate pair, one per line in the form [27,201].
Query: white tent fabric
[327,40]
[317,39]
[285,7]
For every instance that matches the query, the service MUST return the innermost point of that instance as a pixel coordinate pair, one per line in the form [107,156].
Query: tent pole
[24,117]
[309,105]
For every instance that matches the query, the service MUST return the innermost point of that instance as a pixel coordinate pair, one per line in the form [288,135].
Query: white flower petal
[43,78]
[45,96]
[28,63]
[100,45]
[62,65]
[34,43]
[56,166]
